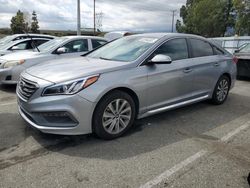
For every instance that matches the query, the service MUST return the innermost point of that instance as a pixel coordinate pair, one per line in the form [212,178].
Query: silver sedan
[132,77]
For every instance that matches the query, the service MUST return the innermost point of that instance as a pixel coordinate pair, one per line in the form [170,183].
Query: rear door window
[39,42]
[201,48]
[176,49]
[96,43]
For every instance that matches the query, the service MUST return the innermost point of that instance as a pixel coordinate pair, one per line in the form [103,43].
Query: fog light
[8,78]
[55,114]
[57,119]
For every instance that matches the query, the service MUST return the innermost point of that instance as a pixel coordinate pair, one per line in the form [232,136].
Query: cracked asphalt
[29,158]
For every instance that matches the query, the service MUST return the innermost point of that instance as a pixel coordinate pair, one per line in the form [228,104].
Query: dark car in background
[243,64]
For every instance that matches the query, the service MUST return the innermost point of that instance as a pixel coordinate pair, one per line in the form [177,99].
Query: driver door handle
[187,70]
[216,64]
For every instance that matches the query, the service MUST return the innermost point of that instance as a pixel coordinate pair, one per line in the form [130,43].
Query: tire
[221,90]
[110,122]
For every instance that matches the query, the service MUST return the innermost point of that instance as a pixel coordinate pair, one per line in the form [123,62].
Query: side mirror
[61,50]
[15,48]
[160,59]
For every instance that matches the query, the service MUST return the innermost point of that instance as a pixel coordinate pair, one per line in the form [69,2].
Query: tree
[17,23]
[209,18]
[242,8]
[34,23]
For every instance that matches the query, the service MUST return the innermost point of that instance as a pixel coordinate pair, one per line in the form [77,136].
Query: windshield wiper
[105,58]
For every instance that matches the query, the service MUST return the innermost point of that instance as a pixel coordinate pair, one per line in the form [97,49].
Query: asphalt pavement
[200,145]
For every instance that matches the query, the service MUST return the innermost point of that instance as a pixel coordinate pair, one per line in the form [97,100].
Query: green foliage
[34,23]
[209,18]
[20,25]
[17,23]
[242,8]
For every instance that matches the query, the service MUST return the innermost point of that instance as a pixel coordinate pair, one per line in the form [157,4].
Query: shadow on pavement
[153,132]
[147,135]
[8,88]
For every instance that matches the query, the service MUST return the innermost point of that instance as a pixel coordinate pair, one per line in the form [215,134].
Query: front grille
[26,88]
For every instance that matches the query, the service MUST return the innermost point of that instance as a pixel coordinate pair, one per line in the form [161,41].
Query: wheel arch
[229,76]
[123,89]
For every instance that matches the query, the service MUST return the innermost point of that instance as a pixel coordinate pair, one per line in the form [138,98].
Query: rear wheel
[114,115]
[221,90]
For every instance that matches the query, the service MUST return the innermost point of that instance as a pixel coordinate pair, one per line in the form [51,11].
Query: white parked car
[116,35]
[231,44]
[11,38]
[23,44]
[12,65]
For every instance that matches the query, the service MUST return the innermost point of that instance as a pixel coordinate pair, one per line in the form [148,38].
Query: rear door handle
[216,64]
[187,70]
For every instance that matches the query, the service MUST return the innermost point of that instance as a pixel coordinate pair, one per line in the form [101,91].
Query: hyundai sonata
[132,77]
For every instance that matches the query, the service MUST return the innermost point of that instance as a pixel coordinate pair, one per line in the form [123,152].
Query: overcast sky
[132,15]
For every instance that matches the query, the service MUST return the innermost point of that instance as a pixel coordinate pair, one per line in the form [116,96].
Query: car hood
[3,52]
[21,55]
[73,68]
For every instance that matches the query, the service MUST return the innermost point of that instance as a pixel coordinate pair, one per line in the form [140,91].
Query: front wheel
[114,115]
[221,90]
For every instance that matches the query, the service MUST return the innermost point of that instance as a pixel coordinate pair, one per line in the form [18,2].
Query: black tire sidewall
[215,98]
[98,128]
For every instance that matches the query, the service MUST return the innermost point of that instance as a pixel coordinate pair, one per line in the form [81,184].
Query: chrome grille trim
[26,88]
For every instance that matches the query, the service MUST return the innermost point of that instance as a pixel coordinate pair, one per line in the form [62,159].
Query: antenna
[99,18]
[33,43]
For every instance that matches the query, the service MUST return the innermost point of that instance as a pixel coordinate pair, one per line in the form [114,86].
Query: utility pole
[78,18]
[173,11]
[94,19]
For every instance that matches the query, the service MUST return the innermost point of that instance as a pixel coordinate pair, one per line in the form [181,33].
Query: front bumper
[79,110]
[10,75]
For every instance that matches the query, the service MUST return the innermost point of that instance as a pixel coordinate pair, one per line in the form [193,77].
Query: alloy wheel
[222,90]
[116,116]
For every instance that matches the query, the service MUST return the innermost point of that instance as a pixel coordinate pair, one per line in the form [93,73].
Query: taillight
[235,60]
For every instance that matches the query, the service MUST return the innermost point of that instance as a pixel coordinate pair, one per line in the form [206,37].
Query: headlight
[9,64]
[70,88]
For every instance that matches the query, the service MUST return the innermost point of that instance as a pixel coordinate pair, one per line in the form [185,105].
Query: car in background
[232,43]
[11,38]
[243,65]
[22,44]
[12,65]
[131,77]
[116,35]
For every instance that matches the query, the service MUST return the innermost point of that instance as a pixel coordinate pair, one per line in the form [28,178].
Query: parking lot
[196,146]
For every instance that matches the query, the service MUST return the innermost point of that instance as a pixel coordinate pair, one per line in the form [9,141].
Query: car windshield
[125,49]
[245,49]
[5,40]
[51,44]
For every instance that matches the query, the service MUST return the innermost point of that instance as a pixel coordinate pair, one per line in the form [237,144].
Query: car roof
[28,39]
[33,34]
[169,35]
[12,43]
[83,37]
